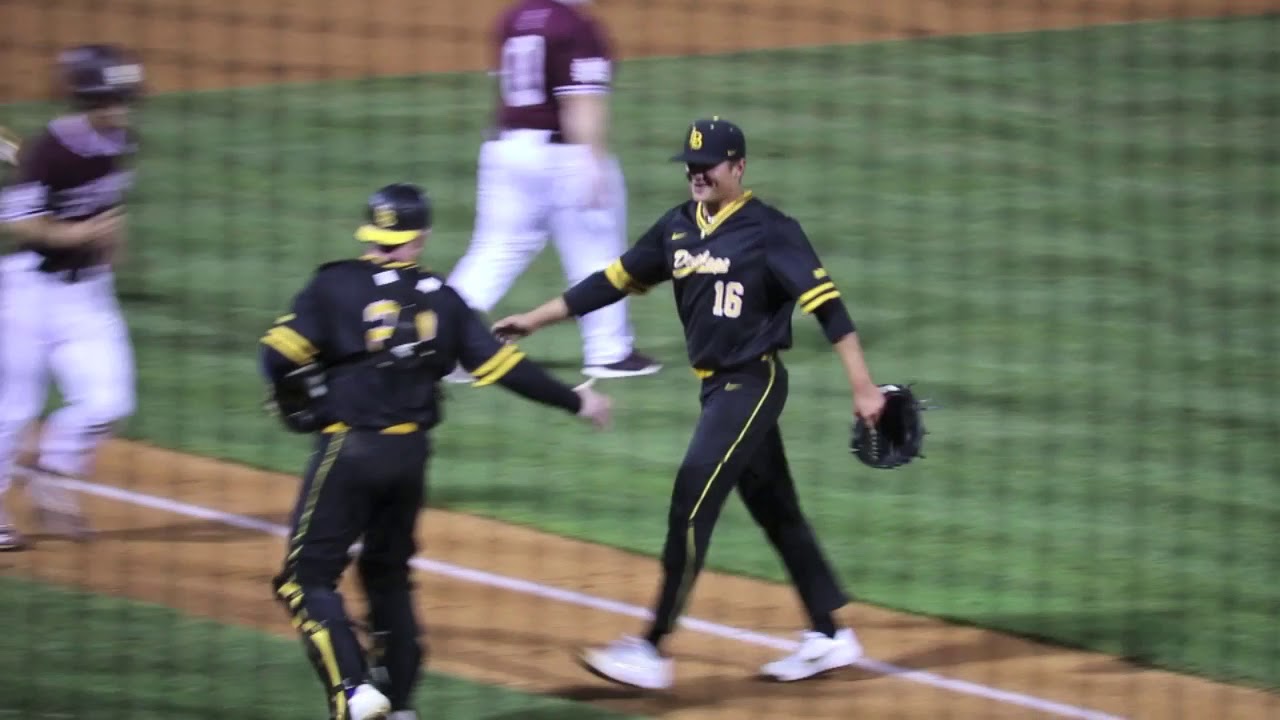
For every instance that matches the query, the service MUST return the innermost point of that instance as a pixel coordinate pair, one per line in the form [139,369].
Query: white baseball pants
[526,189]
[77,332]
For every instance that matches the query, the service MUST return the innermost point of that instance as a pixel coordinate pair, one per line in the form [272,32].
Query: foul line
[570,597]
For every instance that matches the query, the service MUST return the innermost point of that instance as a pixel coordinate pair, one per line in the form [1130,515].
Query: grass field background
[1069,240]
[111,659]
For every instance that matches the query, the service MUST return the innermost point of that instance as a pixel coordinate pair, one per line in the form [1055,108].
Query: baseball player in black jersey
[738,268]
[357,362]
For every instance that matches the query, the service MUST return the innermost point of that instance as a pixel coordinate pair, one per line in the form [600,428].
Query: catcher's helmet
[98,75]
[397,214]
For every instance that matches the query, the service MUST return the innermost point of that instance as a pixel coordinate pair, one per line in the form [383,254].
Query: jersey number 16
[728,299]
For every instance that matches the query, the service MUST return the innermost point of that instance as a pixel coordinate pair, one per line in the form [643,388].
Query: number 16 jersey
[545,50]
[737,279]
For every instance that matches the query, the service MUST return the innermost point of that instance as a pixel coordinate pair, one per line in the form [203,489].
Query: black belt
[554,137]
[73,275]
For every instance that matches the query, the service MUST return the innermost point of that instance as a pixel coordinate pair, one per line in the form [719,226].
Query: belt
[554,137]
[704,373]
[71,275]
[401,429]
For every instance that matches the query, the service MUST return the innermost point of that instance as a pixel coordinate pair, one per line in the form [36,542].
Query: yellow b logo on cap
[695,139]
[384,216]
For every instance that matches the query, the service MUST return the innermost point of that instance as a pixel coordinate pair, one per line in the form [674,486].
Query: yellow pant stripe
[690,546]
[818,301]
[317,482]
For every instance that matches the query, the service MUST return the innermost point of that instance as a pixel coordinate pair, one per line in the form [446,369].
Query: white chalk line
[570,597]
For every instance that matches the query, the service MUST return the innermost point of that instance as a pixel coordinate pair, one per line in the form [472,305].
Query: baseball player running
[738,267]
[58,310]
[548,170]
[356,361]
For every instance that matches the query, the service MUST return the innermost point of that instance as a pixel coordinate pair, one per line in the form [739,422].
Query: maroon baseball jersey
[69,171]
[546,50]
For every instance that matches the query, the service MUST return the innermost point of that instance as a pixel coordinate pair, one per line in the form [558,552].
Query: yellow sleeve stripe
[814,292]
[498,372]
[622,280]
[820,301]
[289,343]
[493,362]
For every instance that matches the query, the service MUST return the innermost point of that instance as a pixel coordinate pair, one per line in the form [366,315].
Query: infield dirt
[501,636]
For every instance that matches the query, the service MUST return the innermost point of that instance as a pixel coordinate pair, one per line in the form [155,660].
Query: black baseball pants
[737,444]
[358,483]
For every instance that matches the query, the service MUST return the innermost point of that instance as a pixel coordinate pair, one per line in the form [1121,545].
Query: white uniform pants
[529,188]
[76,332]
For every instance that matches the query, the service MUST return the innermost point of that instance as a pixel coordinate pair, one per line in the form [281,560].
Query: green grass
[71,654]
[1069,239]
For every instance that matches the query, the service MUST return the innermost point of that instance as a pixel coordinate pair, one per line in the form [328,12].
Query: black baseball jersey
[737,279]
[70,171]
[386,332]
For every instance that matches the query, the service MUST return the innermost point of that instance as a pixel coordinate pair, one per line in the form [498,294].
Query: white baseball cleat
[11,540]
[629,661]
[459,376]
[366,703]
[817,654]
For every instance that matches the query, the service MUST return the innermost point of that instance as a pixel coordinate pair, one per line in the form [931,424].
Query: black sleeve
[795,264]
[293,339]
[491,361]
[642,266]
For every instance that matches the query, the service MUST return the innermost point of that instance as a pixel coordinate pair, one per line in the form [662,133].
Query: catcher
[739,268]
[356,364]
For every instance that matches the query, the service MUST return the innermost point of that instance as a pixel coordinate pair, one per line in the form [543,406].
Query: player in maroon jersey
[548,171]
[58,310]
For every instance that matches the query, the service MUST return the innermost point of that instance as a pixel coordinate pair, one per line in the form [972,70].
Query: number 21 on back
[523,71]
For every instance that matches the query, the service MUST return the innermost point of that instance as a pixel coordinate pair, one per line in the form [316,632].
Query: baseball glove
[297,400]
[898,435]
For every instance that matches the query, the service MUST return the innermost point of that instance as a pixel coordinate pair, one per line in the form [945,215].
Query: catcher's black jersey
[352,317]
[737,278]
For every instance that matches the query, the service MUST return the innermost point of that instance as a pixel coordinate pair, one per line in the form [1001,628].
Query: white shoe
[459,376]
[11,540]
[629,661]
[403,715]
[817,654]
[366,703]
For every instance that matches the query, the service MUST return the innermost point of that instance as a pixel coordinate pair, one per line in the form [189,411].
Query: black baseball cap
[711,142]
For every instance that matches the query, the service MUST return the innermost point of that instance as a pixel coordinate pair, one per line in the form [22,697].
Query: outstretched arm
[492,362]
[640,267]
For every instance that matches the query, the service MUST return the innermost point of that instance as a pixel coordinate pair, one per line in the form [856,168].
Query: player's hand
[514,327]
[595,406]
[598,186]
[99,229]
[868,403]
